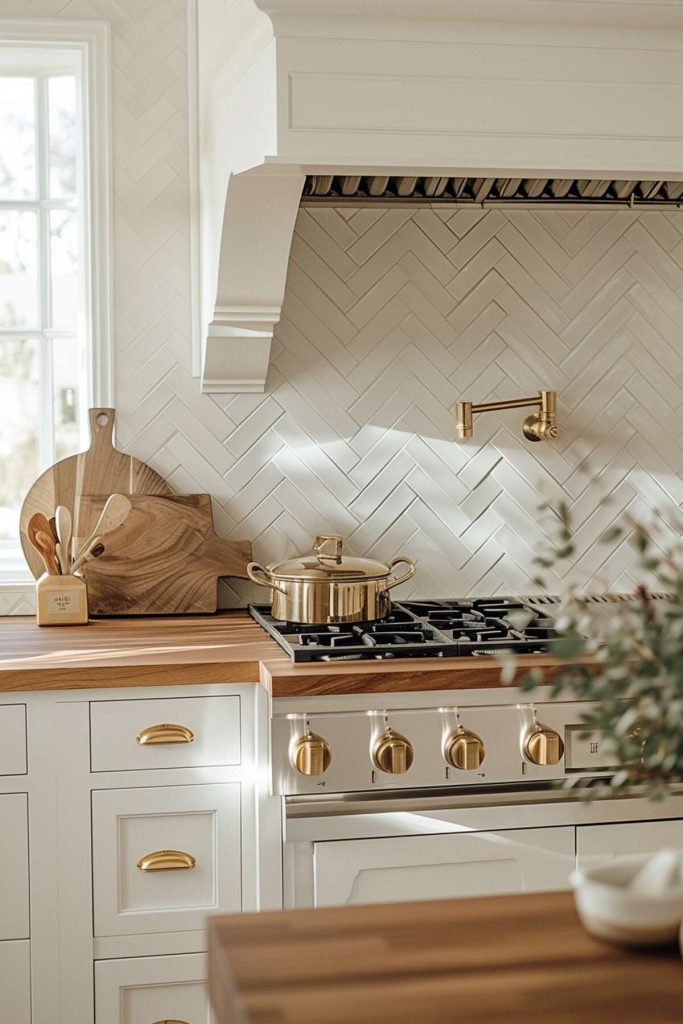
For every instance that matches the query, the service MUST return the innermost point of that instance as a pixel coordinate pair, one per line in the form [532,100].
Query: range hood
[489,102]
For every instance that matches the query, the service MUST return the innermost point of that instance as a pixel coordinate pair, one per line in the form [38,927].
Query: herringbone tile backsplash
[389,317]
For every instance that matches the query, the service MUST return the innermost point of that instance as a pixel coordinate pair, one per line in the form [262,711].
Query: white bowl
[610,910]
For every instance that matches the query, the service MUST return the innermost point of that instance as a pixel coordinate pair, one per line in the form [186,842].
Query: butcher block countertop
[514,959]
[225,648]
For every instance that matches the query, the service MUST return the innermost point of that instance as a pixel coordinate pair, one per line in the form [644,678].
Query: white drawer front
[13,745]
[597,842]
[147,989]
[14,920]
[15,982]
[442,866]
[124,733]
[131,824]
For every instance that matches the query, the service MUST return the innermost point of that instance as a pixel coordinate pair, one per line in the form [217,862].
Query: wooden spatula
[45,545]
[63,524]
[112,516]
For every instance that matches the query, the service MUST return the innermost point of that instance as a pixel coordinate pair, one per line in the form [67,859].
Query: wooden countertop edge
[287,680]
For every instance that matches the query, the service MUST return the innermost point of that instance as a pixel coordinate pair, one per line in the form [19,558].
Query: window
[48,323]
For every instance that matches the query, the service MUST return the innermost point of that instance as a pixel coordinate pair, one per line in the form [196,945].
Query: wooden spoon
[63,522]
[40,524]
[112,516]
[94,551]
[45,545]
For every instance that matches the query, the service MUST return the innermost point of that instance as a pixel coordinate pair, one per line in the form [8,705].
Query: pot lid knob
[326,538]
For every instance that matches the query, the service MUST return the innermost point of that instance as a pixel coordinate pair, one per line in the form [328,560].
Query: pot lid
[327,563]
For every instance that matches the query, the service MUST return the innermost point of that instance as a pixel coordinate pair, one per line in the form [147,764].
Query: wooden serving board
[100,470]
[164,560]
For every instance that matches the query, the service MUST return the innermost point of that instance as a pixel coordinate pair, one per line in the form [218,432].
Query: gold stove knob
[464,750]
[543,746]
[393,753]
[311,754]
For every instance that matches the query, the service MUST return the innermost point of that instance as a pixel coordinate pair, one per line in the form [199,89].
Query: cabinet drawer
[129,825]
[134,734]
[13,742]
[601,841]
[146,989]
[14,860]
[15,982]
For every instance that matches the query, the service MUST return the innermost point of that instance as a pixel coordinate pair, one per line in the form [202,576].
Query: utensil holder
[61,601]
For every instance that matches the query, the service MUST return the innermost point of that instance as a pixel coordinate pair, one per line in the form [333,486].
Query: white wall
[389,318]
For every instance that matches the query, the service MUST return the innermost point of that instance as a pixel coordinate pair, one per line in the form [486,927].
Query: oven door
[337,853]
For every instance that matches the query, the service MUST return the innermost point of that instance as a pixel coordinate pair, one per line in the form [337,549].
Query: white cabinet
[165,732]
[15,983]
[14,906]
[201,821]
[442,866]
[594,842]
[146,989]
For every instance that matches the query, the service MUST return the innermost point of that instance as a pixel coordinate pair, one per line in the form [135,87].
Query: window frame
[90,40]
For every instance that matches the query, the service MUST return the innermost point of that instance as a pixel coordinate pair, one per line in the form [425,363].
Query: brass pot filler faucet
[540,426]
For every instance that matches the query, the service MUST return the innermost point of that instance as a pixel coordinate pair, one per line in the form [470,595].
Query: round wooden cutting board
[101,470]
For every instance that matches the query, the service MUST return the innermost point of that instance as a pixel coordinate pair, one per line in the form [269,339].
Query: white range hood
[478,88]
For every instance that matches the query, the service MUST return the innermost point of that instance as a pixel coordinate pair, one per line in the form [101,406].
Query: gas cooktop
[419,629]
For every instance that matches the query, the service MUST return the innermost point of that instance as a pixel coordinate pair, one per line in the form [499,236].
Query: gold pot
[325,587]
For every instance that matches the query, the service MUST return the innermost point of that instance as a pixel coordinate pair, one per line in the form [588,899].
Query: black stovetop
[418,629]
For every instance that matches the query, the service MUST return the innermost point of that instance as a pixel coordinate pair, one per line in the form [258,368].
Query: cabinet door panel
[130,824]
[147,989]
[212,724]
[595,842]
[13,746]
[442,866]
[14,910]
[15,982]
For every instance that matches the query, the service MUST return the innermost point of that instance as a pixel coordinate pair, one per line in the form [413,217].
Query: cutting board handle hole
[102,419]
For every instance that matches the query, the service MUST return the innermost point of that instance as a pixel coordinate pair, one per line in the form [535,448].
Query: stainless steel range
[437,793]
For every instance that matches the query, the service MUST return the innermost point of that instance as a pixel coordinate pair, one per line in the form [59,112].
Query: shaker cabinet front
[159,989]
[442,866]
[164,858]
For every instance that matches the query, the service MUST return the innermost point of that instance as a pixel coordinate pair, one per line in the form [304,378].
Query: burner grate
[417,629]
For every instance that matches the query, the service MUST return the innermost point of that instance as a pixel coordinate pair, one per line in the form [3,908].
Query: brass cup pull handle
[165,732]
[325,538]
[407,575]
[263,581]
[167,860]
[169,1021]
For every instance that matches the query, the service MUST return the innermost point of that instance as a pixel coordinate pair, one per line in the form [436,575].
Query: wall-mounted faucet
[540,426]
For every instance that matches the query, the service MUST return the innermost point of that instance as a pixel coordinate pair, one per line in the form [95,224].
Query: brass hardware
[540,426]
[543,746]
[167,860]
[174,1021]
[324,538]
[464,750]
[311,755]
[165,732]
[393,753]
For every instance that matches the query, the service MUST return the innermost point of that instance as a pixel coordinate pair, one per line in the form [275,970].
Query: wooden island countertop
[492,960]
[229,647]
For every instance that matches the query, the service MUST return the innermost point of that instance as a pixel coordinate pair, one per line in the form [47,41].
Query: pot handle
[410,572]
[253,568]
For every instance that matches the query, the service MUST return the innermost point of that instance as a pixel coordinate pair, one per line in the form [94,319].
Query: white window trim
[93,40]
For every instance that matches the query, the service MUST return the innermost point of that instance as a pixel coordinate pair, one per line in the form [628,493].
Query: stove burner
[417,629]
